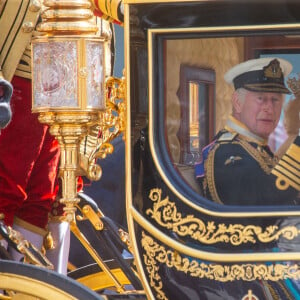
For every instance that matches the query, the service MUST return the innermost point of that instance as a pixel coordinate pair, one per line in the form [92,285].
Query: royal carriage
[182,245]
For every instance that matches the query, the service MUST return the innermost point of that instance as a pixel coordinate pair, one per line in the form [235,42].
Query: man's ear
[236,103]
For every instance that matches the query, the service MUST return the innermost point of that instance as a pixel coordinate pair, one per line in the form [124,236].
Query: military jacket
[238,170]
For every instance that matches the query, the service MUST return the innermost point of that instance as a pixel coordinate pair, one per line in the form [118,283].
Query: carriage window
[198,100]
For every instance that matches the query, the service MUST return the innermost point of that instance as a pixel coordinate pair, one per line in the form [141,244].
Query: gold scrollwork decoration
[112,123]
[156,254]
[166,214]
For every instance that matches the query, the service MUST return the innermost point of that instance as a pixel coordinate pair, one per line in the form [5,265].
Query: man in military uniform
[238,168]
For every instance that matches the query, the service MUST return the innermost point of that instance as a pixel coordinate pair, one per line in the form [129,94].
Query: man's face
[260,112]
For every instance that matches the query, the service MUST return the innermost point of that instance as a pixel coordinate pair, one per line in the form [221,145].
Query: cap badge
[273,70]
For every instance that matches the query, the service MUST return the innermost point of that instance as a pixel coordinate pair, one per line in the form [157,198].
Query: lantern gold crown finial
[294,85]
[67,17]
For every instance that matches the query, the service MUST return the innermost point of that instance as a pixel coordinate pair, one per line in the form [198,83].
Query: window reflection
[197,97]
[194,99]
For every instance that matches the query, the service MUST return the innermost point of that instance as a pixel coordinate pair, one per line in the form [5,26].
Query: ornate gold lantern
[68,65]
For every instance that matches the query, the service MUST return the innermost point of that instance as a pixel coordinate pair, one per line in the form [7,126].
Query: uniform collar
[235,125]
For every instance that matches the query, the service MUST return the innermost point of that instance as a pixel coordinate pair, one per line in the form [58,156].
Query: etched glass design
[95,79]
[55,74]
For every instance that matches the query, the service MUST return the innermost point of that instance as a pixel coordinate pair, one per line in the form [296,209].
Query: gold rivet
[27,27]
[35,5]
[99,226]
[86,209]
[83,72]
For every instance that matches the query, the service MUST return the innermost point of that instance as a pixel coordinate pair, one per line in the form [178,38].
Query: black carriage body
[189,247]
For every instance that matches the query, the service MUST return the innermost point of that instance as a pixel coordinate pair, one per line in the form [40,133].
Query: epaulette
[17,23]
[287,169]
[227,137]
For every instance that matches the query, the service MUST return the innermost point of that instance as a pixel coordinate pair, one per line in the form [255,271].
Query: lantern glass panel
[55,74]
[95,79]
